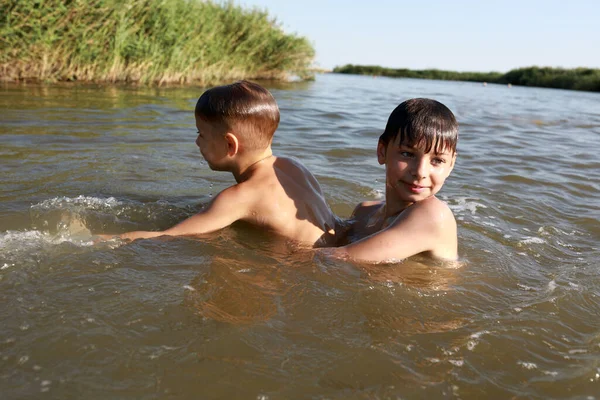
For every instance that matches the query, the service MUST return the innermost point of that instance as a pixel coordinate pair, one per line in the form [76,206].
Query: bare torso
[287,199]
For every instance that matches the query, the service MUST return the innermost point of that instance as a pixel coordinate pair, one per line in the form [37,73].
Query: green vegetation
[147,41]
[574,79]
[559,78]
[420,74]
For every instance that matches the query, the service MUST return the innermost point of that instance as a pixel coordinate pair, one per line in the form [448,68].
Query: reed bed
[145,41]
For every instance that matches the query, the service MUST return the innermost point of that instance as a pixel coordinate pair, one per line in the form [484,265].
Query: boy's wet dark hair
[422,123]
[246,108]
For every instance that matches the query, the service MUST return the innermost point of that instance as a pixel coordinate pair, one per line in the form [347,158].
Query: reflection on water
[241,314]
[237,291]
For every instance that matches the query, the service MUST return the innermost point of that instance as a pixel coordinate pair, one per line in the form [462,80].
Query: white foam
[88,202]
[68,225]
[471,344]
[466,204]
[27,240]
[377,194]
[525,287]
[9,237]
[577,351]
[477,335]
[527,365]
[529,240]
[22,242]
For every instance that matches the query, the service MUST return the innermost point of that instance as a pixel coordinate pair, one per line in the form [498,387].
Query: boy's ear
[233,144]
[381,152]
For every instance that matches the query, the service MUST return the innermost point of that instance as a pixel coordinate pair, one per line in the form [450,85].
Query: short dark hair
[246,108]
[423,123]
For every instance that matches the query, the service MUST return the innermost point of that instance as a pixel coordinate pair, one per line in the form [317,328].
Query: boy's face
[212,144]
[412,174]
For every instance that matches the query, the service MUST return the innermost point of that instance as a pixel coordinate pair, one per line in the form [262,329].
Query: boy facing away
[235,125]
[418,149]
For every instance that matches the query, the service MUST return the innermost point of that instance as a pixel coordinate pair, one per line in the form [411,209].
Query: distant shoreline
[586,79]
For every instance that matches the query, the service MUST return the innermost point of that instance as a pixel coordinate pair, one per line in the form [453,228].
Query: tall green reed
[147,41]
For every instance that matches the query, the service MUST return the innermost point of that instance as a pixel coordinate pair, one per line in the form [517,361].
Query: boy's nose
[420,168]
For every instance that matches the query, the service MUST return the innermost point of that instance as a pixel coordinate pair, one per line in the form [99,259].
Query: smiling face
[411,173]
[212,143]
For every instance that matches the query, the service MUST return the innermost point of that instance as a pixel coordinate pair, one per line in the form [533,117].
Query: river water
[234,314]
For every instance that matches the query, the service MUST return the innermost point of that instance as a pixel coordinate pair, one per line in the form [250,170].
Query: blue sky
[454,35]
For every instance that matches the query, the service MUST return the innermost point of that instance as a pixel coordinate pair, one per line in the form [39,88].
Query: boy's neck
[394,207]
[249,163]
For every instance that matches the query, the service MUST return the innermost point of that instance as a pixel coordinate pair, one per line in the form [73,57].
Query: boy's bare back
[283,196]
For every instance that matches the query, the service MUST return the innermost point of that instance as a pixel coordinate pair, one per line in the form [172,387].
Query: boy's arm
[344,227]
[414,231]
[226,208]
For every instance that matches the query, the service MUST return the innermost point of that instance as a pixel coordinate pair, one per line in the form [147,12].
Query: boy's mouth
[414,188]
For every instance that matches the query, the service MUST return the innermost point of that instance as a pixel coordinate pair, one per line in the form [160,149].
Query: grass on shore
[558,78]
[146,41]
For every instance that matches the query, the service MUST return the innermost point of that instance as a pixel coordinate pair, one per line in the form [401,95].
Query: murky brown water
[234,314]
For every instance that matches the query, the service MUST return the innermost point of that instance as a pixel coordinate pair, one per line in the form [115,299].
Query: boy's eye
[438,161]
[406,153]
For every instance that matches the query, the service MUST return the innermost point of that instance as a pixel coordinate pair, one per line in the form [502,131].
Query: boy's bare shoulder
[246,200]
[239,196]
[288,163]
[432,214]
[429,223]
[295,169]
[248,194]
[291,161]
[246,191]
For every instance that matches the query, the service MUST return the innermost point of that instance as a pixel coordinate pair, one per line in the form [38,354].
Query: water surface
[236,315]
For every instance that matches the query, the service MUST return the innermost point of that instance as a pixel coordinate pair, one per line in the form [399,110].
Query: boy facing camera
[418,149]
